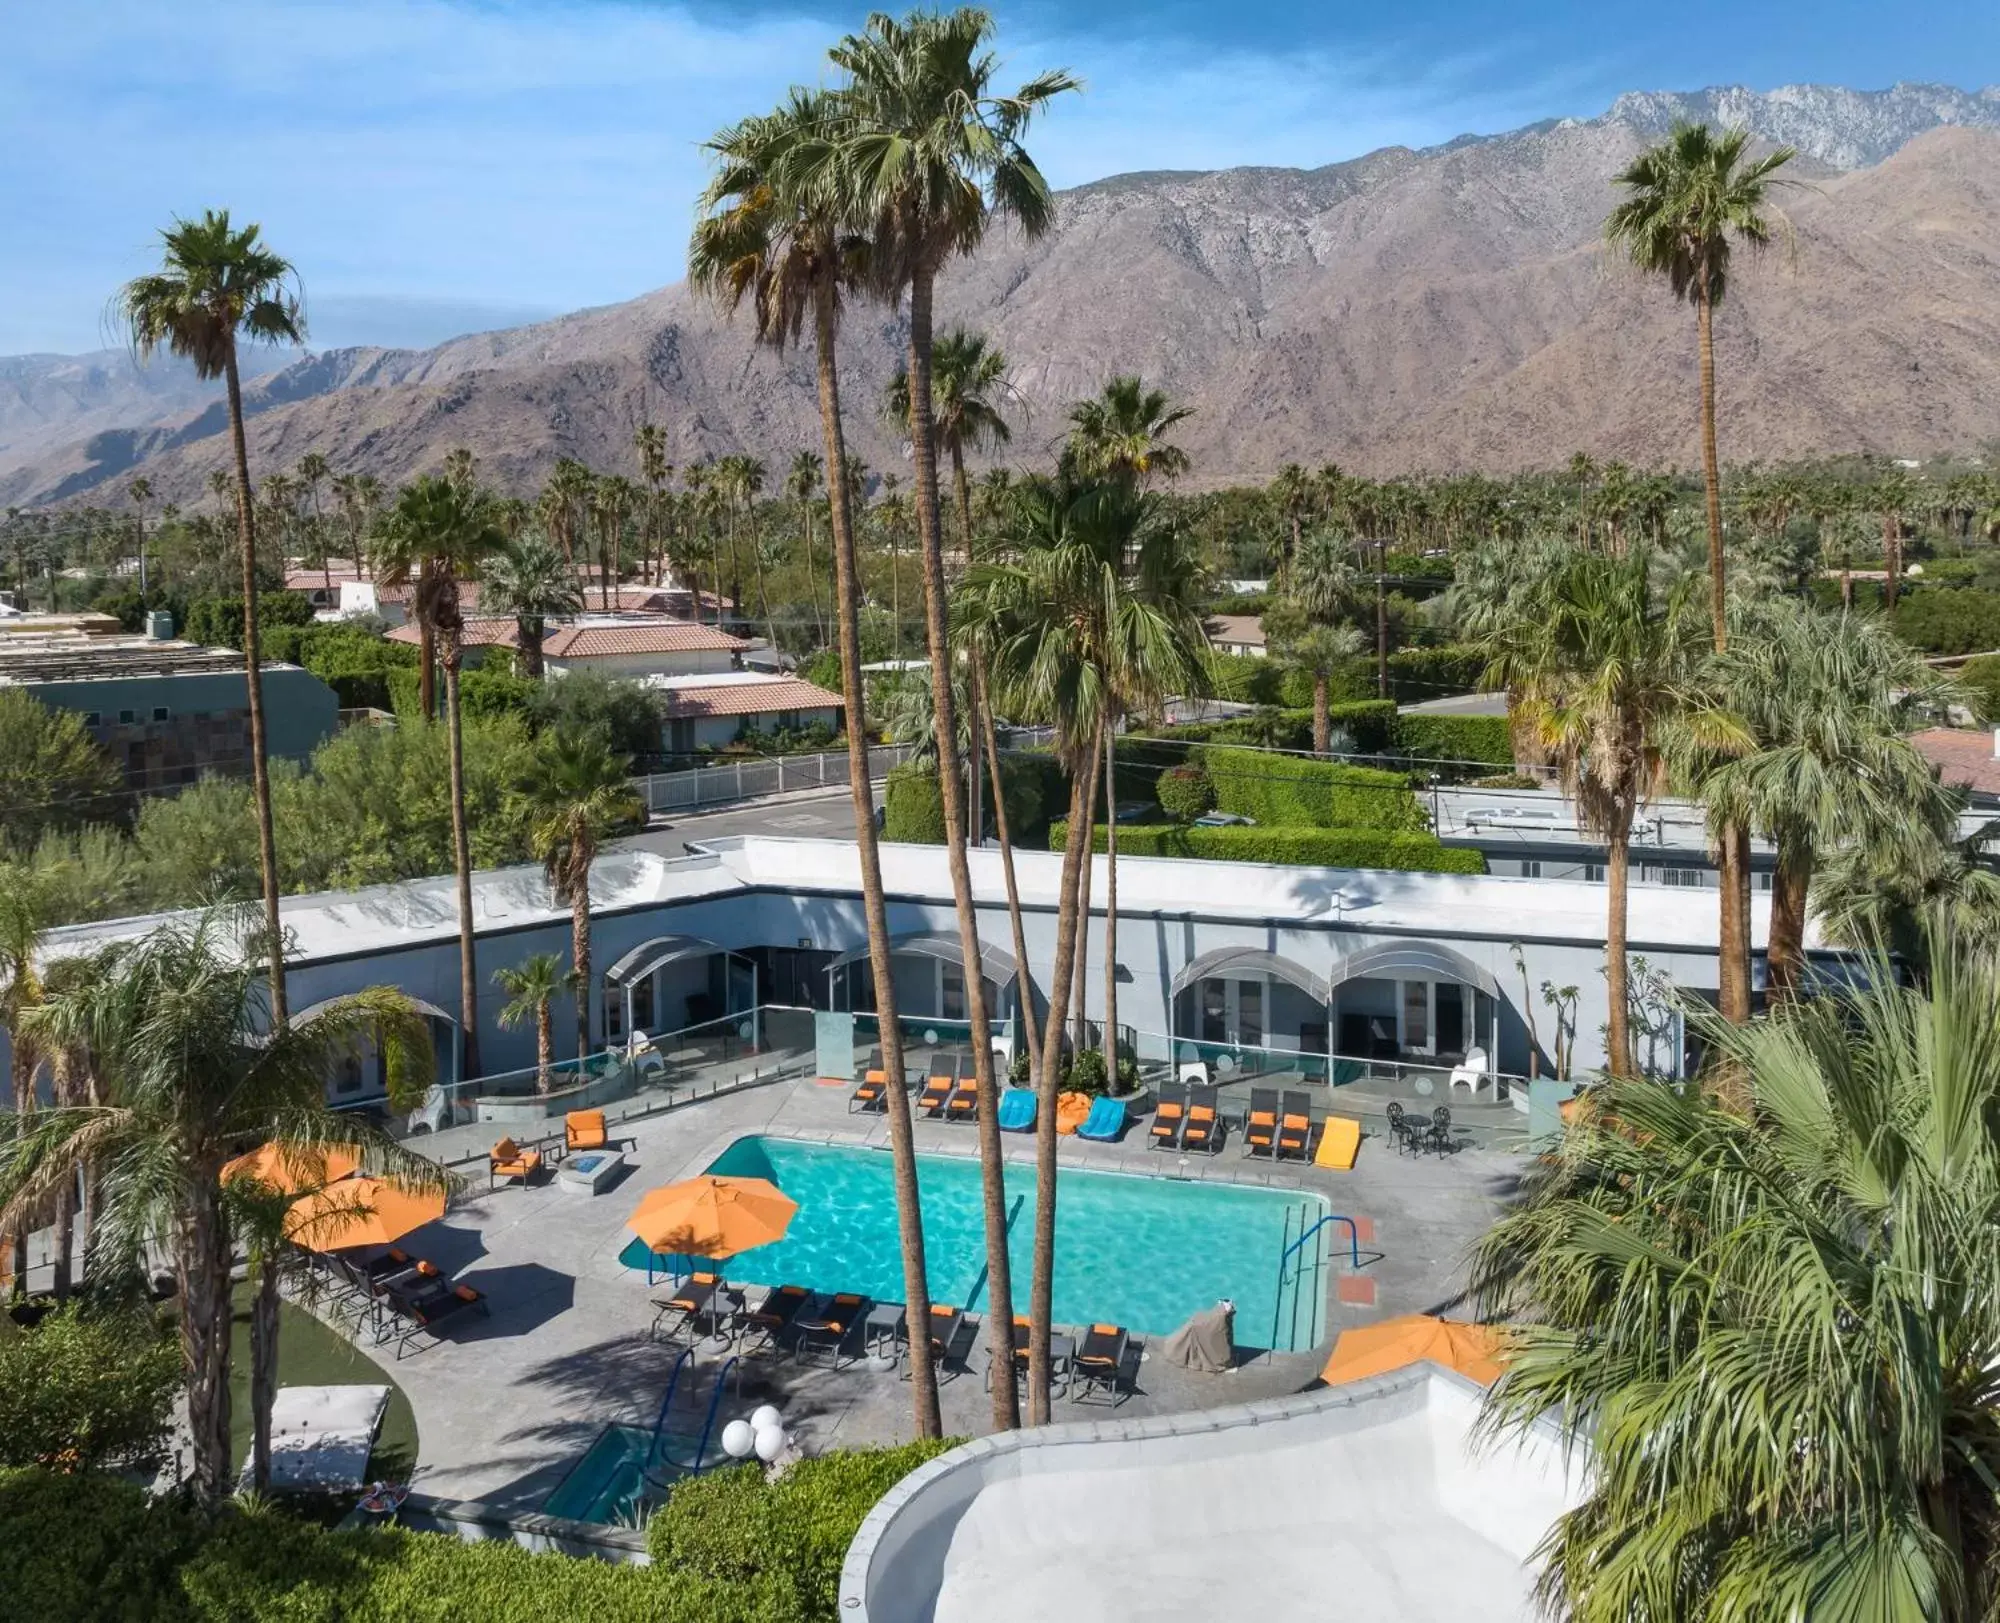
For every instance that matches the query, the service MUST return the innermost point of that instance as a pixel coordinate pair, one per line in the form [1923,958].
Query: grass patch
[311,1353]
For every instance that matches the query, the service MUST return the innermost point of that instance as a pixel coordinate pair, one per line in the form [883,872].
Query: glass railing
[1162,1057]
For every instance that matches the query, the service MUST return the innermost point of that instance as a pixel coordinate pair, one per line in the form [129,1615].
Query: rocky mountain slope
[1405,311]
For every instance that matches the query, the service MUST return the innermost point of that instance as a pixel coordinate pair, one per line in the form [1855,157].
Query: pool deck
[504,1405]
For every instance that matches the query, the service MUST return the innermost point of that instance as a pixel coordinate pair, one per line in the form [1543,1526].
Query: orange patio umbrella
[1375,1349]
[713,1217]
[291,1172]
[359,1211]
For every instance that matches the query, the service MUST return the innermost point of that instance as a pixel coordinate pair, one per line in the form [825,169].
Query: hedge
[913,806]
[728,1548]
[1981,680]
[1311,794]
[1417,674]
[1290,847]
[1944,621]
[217,622]
[1485,740]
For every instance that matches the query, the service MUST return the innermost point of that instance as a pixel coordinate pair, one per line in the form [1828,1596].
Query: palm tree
[217,284]
[1770,1330]
[931,155]
[1319,585]
[1603,665]
[196,1068]
[802,482]
[650,441]
[1122,434]
[531,986]
[141,492]
[24,919]
[968,381]
[528,579]
[577,792]
[312,471]
[439,533]
[610,496]
[1321,652]
[773,231]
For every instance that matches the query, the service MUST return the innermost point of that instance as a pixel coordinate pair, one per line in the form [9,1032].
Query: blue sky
[439,166]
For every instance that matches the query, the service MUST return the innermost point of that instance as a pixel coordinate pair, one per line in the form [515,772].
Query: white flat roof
[342,924]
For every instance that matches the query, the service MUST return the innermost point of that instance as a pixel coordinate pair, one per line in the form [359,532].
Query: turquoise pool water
[608,1485]
[1147,1253]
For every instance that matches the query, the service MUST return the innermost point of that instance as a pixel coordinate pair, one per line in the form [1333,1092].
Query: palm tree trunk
[545,1046]
[1711,472]
[1322,714]
[1892,561]
[426,670]
[461,856]
[1617,972]
[604,564]
[253,680]
[1041,1297]
[263,1366]
[531,634]
[1790,885]
[812,574]
[1110,909]
[579,954]
[22,1064]
[902,1139]
[1024,979]
[951,785]
[202,1264]
[65,1235]
[1081,1037]
[1737,943]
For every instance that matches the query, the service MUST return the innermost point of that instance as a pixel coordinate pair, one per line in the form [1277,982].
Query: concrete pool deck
[506,1404]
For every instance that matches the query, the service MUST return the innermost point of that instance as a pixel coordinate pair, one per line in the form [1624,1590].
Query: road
[817,816]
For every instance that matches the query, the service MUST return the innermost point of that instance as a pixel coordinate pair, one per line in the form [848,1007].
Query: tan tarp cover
[1207,1342]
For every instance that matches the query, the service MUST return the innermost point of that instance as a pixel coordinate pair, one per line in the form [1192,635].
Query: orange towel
[1071,1109]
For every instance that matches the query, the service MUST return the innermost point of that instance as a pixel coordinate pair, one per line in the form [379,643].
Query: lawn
[312,1354]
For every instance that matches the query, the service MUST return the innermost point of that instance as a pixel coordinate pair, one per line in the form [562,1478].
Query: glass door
[1417,1017]
[1449,1001]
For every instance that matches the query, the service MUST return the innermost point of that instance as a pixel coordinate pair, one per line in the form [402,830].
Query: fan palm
[24,919]
[528,579]
[1603,665]
[1318,586]
[531,986]
[773,232]
[1773,1330]
[577,792]
[217,285]
[141,492]
[439,533]
[1122,434]
[968,383]
[195,1070]
[802,482]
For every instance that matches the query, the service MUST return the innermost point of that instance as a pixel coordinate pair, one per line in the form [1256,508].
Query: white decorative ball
[766,1418]
[738,1438]
[770,1444]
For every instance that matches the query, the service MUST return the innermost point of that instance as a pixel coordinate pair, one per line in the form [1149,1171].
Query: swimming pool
[609,1483]
[1147,1253]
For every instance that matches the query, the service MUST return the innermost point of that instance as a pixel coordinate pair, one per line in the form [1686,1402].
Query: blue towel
[1017,1110]
[1106,1119]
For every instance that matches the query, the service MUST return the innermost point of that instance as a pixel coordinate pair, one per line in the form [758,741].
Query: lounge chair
[1169,1116]
[1260,1130]
[1100,1363]
[827,1325]
[1106,1120]
[585,1130]
[964,1102]
[1339,1144]
[766,1325]
[508,1160]
[1470,1072]
[421,1316]
[1017,1110]
[1204,1127]
[689,1302]
[947,1324]
[873,1094]
[937,1088]
[1295,1128]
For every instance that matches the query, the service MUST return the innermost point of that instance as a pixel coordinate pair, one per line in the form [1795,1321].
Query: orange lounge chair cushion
[505,1150]
[523,1164]
[1072,1111]
[584,1129]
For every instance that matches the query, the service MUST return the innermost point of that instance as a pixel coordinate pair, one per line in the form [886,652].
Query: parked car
[1222,819]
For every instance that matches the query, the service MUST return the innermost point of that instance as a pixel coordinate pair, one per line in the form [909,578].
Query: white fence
[728,782]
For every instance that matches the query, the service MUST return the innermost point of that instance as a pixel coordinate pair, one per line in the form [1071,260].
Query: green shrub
[1371,723]
[217,622]
[1310,794]
[913,806]
[1949,622]
[491,690]
[1508,780]
[630,715]
[1416,674]
[54,776]
[1185,792]
[1484,740]
[1981,680]
[1290,847]
[86,1389]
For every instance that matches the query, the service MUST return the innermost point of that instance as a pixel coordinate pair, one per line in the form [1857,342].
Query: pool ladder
[1302,1267]
[656,1452]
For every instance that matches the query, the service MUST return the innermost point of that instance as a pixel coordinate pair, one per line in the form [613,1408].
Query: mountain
[1405,311]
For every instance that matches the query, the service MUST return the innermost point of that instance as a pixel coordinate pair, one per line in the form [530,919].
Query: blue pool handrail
[653,1449]
[1353,1239]
[657,1454]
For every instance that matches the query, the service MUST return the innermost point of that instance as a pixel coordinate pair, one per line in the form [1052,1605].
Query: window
[127,717]
[1451,1037]
[951,991]
[1215,1011]
[614,1015]
[1760,881]
[348,1078]
[92,719]
[642,1004]
[1250,1013]
[1531,868]
[1417,1015]
[162,713]
[1683,878]
[1593,872]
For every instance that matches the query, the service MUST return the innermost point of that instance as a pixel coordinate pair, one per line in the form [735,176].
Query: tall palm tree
[196,1070]
[216,285]
[1121,434]
[577,792]
[312,472]
[968,384]
[802,482]
[141,492]
[1319,583]
[610,498]
[441,532]
[1769,1331]
[24,921]
[528,579]
[773,231]
[1603,665]
[531,986]
[650,441]
[932,155]
[1320,652]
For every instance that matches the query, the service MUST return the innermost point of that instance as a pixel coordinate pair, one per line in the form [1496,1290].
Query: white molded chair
[1194,1071]
[1470,1072]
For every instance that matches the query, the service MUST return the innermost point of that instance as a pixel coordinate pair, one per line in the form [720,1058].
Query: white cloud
[547,155]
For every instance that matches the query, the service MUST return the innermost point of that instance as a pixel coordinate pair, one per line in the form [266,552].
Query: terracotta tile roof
[659,637]
[489,631]
[740,698]
[1962,757]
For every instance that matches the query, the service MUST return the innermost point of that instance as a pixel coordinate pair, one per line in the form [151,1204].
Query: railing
[755,777]
[1162,1056]
[1314,1293]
